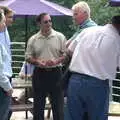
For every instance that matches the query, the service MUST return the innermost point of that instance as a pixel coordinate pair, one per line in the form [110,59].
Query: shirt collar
[53,33]
[87,23]
[84,23]
[3,30]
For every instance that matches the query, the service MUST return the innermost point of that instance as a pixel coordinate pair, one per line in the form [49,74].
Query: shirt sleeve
[63,46]
[4,80]
[27,68]
[22,71]
[72,45]
[29,49]
[76,40]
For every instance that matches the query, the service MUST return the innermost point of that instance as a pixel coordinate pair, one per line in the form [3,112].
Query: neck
[2,28]
[46,32]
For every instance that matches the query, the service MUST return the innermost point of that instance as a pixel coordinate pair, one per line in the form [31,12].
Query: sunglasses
[47,21]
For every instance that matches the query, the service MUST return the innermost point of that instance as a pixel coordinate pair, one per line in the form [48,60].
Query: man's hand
[9,92]
[55,61]
[22,75]
[50,62]
[41,63]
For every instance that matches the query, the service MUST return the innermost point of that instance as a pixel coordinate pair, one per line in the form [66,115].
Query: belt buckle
[48,69]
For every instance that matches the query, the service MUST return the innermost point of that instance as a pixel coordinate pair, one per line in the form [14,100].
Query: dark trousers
[10,111]
[4,104]
[44,82]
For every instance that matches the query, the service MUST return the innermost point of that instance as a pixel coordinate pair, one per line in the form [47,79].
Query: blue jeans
[88,98]
[4,104]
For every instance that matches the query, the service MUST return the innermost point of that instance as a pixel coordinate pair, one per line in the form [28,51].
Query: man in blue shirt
[5,41]
[5,86]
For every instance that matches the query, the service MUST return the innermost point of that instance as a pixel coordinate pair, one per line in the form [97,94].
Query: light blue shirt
[4,57]
[27,69]
[5,40]
[87,23]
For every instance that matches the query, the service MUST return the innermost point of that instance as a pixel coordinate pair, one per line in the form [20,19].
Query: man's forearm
[5,83]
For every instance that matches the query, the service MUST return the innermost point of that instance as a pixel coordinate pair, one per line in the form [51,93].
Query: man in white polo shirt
[94,61]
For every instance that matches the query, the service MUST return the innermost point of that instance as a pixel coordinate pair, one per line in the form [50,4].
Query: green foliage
[18,30]
[101,13]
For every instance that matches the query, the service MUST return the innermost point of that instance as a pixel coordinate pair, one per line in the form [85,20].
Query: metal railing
[116,88]
[18,56]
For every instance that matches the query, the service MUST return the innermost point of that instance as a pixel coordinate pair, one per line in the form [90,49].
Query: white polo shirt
[96,52]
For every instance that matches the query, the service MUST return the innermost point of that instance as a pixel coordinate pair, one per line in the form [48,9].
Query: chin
[49,28]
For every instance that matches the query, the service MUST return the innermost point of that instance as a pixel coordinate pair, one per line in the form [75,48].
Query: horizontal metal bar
[116,87]
[19,50]
[16,67]
[17,43]
[17,61]
[117,95]
[18,55]
[117,80]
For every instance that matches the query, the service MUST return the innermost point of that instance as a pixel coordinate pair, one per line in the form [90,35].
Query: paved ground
[21,116]
[114,118]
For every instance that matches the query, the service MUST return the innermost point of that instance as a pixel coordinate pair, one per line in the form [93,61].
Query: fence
[18,56]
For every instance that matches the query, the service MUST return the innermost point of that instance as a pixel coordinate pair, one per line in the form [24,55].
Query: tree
[101,13]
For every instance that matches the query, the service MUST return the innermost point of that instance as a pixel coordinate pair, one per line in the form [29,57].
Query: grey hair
[82,6]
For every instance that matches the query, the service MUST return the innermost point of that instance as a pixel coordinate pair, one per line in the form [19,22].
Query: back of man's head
[116,22]
[116,19]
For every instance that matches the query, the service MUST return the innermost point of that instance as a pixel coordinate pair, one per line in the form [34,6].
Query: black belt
[49,69]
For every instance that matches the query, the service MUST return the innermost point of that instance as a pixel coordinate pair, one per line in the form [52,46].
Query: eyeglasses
[47,21]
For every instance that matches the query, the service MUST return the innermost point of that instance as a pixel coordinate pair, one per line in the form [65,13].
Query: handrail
[22,50]
[18,56]
[17,43]
[18,50]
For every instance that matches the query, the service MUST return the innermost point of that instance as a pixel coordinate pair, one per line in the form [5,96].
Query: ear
[38,24]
